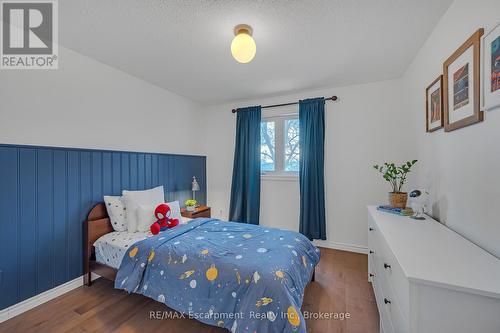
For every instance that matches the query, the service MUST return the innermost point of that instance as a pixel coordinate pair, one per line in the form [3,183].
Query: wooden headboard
[96,225]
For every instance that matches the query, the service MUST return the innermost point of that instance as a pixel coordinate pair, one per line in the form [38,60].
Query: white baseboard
[341,246]
[30,303]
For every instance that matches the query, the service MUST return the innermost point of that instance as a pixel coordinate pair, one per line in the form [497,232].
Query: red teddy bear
[163,222]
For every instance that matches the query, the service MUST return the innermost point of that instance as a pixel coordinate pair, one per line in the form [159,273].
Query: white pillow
[134,199]
[146,215]
[175,210]
[117,212]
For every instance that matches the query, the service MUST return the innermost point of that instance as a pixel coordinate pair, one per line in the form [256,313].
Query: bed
[242,277]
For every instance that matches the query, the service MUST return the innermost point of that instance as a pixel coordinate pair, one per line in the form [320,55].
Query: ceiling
[184,46]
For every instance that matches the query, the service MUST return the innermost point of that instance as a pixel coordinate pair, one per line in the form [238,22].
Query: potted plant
[190,205]
[396,176]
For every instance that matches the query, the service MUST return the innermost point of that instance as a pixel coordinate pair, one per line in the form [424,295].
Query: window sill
[290,177]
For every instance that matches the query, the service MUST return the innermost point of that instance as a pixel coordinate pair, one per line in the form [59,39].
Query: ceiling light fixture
[243,47]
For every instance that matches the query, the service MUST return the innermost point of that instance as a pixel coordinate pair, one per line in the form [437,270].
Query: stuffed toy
[163,220]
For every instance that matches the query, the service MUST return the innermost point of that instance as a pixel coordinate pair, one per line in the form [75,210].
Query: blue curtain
[245,188]
[311,168]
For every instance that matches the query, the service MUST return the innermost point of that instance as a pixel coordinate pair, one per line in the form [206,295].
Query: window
[291,162]
[268,146]
[279,150]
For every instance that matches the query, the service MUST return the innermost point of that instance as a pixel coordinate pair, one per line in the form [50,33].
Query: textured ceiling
[184,46]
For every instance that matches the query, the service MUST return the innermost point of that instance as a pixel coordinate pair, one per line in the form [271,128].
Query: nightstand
[200,211]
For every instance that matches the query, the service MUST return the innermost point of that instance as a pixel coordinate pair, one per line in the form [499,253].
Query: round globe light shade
[243,48]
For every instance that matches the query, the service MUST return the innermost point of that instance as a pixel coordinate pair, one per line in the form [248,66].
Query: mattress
[110,248]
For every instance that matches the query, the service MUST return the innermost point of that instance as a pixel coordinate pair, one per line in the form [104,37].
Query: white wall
[87,104]
[366,125]
[461,167]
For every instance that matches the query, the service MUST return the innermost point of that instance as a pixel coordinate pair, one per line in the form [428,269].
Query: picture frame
[434,115]
[461,83]
[491,69]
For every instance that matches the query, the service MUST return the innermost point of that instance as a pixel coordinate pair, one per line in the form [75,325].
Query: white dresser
[429,279]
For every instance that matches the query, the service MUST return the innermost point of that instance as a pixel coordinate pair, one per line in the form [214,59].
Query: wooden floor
[341,286]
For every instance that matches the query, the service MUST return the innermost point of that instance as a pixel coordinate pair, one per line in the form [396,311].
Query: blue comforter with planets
[243,277]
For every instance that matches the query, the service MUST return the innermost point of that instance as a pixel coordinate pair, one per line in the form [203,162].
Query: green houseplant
[190,205]
[396,176]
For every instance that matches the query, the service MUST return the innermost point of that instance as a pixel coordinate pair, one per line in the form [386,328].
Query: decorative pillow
[134,199]
[117,212]
[146,215]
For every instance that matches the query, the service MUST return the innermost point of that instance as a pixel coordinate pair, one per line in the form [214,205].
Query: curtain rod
[333,98]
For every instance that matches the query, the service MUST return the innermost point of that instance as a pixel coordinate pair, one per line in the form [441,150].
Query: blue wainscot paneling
[46,193]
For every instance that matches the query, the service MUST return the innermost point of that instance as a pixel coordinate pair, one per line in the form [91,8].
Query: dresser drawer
[385,321]
[391,303]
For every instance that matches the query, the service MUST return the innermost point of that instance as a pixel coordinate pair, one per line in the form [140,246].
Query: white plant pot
[190,208]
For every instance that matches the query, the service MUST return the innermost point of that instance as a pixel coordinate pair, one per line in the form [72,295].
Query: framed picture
[491,69]
[461,95]
[434,105]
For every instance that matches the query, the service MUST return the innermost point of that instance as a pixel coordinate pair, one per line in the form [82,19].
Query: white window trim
[281,175]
